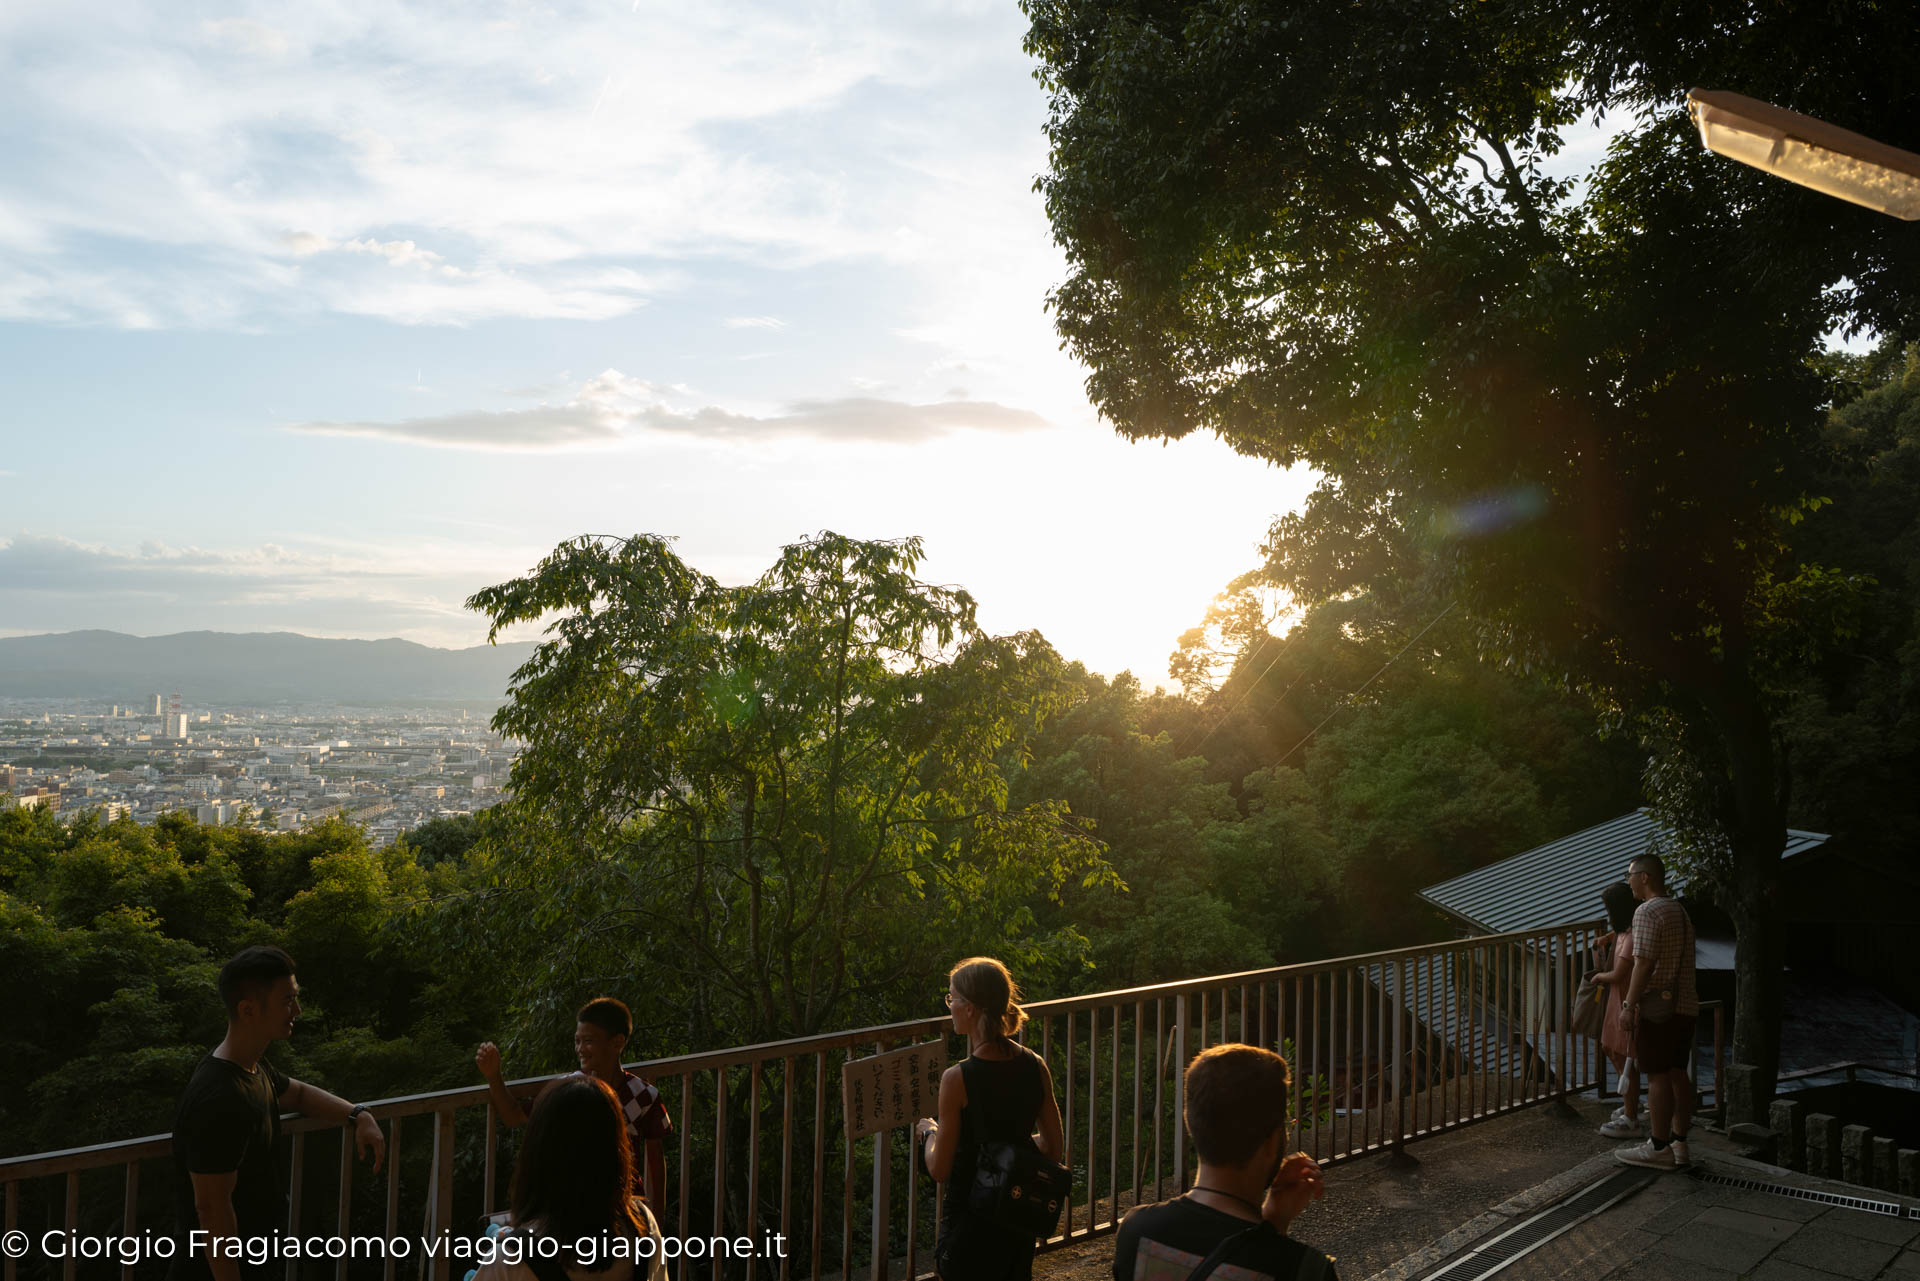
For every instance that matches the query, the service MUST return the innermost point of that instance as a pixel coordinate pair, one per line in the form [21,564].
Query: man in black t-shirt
[227,1184]
[1245,1195]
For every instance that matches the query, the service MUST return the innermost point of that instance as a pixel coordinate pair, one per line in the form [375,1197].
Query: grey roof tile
[1559,883]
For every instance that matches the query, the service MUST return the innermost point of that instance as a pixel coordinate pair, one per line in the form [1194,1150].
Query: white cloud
[850,418]
[613,406]
[60,584]
[398,253]
[547,427]
[304,244]
[541,144]
[755,322]
[35,563]
[243,35]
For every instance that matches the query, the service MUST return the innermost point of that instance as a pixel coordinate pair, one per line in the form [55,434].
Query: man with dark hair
[1245,1194]
[226,1178]
[600,1033]
[1658,1013]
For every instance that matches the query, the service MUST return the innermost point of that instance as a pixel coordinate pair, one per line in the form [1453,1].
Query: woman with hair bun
[998,1093]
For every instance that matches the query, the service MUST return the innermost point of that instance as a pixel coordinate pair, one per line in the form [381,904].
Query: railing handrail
[1846,1065]
[1407,1042]
[120,1151]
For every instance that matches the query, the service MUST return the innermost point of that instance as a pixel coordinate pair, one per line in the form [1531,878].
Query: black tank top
[1003,1101]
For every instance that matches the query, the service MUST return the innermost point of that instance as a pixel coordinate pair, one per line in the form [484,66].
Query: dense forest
[786,807]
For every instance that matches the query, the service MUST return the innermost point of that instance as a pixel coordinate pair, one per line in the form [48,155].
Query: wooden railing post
[1180,1093]
[442,1191]
[71,1268]
[130,1212]
[296,1185]
[344,1217]
[393,1195]
[13,1225]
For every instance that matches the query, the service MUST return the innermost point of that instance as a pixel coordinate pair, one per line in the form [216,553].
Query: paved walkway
[1377,1211]
[1474,1183]
[1681,1227]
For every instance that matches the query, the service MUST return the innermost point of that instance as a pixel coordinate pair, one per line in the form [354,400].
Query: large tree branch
[1514,187]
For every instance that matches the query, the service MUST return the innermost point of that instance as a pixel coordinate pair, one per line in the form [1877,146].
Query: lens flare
[1492,513]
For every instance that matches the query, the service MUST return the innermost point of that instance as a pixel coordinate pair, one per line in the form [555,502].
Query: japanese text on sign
[895,1088]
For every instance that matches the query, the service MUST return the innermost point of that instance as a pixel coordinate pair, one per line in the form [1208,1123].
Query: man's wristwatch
[353,1113]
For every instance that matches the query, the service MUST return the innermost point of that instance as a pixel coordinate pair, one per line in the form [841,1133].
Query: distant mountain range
[221,668]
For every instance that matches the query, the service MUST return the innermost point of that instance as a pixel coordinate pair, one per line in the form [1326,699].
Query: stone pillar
[1885,1176]
[1744,1106]
[1790,1124]
[1909,1162]
[1823,1146]
[1856,1155]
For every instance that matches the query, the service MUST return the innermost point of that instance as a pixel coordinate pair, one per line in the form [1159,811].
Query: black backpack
[1014,1183]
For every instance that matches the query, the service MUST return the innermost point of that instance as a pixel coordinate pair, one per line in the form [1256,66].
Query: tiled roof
[1559,883]
[1489,1040]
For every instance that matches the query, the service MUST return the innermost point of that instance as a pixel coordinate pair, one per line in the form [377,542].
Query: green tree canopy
[112,936]
[776,806]
[1579,406]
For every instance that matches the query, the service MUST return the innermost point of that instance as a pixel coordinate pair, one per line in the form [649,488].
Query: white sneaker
[1619,1113]
[1648,1155]
[1621,1127]
[1679,1150]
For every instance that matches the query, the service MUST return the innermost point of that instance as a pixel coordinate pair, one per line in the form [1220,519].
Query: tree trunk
[1759,981]
[1756,828]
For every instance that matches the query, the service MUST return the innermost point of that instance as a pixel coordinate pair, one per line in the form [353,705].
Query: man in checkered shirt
[600,1033]
[1659,1012]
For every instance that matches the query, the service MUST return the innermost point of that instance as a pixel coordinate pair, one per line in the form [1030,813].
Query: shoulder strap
[1219,1253]
[970,1111]
[1313,1264]
[656,1266]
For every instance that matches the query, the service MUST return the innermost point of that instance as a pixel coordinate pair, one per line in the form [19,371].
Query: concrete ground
[1678,1227]
[1391,1222]
[1378,1211]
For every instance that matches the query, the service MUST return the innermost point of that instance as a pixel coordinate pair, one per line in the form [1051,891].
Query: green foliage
[445,840]
[1853,729]
[112,937]
[778,807]
[1577,409]
[1316,1094]
[1245,841]
[1587,413]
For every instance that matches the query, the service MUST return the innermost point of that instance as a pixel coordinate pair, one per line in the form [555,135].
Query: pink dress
[1614,1039]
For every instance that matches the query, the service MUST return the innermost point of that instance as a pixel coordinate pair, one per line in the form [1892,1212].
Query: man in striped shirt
[1659,1012]
[599,1036]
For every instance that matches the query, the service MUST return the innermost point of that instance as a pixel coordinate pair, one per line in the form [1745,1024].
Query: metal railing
[1387,1048]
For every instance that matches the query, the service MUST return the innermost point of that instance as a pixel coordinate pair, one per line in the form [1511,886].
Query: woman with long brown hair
[999,1093]
[1617,948]
[573,1184]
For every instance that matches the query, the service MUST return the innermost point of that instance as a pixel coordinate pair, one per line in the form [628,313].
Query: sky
[322,317]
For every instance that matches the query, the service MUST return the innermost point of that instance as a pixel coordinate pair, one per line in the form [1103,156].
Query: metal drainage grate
[1523,1238]
[1863,1204]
